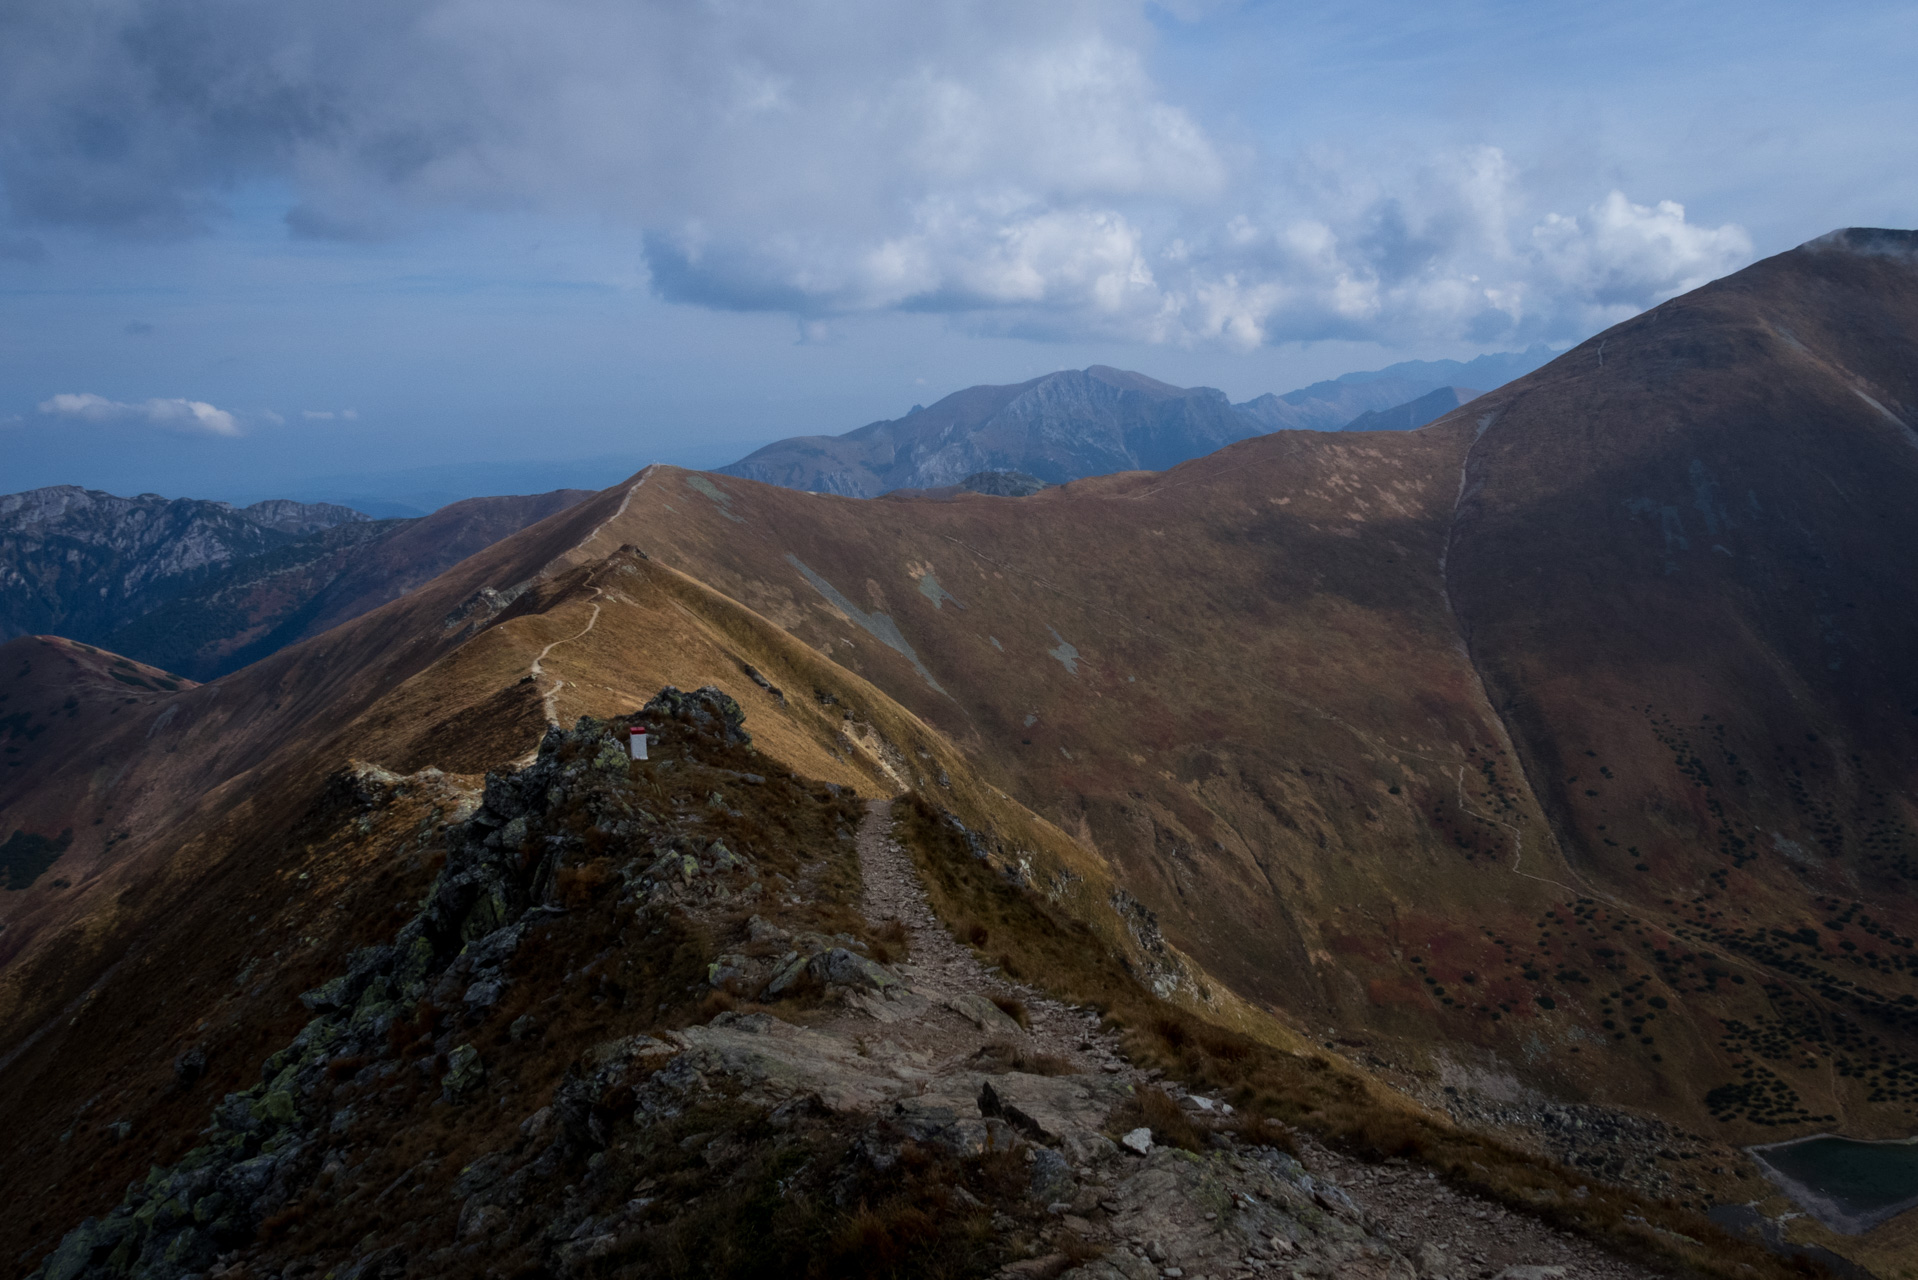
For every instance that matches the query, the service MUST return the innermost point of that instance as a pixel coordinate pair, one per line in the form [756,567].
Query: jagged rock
[1532,1273]
[706,709]
[1139,1140]
[774,1062]
[464,1072]
[786,975]
[762,931]
[728,969]
[1051,1177]
[483,995]
[842,968]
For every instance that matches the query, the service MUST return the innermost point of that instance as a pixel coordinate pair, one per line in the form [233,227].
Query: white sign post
[638,741]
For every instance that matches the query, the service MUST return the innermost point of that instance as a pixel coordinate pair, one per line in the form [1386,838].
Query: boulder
[842,968]
[786,975]
[760,930]
[984,1014]
[464,1073]
[727,969]
[895,1004]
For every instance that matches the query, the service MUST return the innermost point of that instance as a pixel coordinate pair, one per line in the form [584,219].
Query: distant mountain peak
[1413,414]
[1074,423]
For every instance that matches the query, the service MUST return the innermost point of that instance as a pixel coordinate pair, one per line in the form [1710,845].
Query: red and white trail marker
[637,739]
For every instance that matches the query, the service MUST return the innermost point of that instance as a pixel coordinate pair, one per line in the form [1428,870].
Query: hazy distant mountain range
[1413,414]
[201,588]
[1085,422]
[1323,406]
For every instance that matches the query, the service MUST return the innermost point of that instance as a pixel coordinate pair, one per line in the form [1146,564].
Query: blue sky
[249,250]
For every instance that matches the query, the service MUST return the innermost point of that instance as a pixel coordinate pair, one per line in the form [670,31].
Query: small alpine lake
[1848,1184]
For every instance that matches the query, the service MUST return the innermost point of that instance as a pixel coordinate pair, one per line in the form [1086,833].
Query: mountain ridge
[1555,752]
[201,587]
[1077,423]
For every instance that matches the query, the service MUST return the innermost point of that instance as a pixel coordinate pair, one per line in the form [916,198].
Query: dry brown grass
[1153,1108]
[1254,1128]
[890,942]
[1014,1008]
[579,886]
[1315,1093]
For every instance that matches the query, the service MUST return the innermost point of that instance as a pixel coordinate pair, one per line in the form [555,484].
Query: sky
[258,250]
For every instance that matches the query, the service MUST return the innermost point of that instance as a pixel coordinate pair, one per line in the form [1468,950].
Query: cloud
[328,415]
[1015,165]
[190,416]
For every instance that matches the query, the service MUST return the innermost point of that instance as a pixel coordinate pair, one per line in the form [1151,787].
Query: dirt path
[538,668]
[941,969]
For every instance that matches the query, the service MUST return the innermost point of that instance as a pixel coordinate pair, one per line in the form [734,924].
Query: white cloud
[328,415]
[191,416]
[1015,164]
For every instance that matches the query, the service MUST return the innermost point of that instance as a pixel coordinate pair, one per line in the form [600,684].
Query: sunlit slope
[1253,684]
[1247,701]
[598,638]
[1238,680]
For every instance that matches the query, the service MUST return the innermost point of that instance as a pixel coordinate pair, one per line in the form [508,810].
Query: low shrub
[1153,1108]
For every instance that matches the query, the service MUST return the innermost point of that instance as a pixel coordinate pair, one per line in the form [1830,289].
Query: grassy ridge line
[922,759]
[1035,942]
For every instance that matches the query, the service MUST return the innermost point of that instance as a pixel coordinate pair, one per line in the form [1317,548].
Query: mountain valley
[1416,792]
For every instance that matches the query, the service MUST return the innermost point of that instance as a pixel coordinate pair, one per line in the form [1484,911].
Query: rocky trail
[1234,1210]
[834,1076]
[952,977]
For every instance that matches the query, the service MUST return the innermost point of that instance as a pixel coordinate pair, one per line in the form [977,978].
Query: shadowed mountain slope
[81,561]
[203,589]
[1683,575]
[1413,414]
